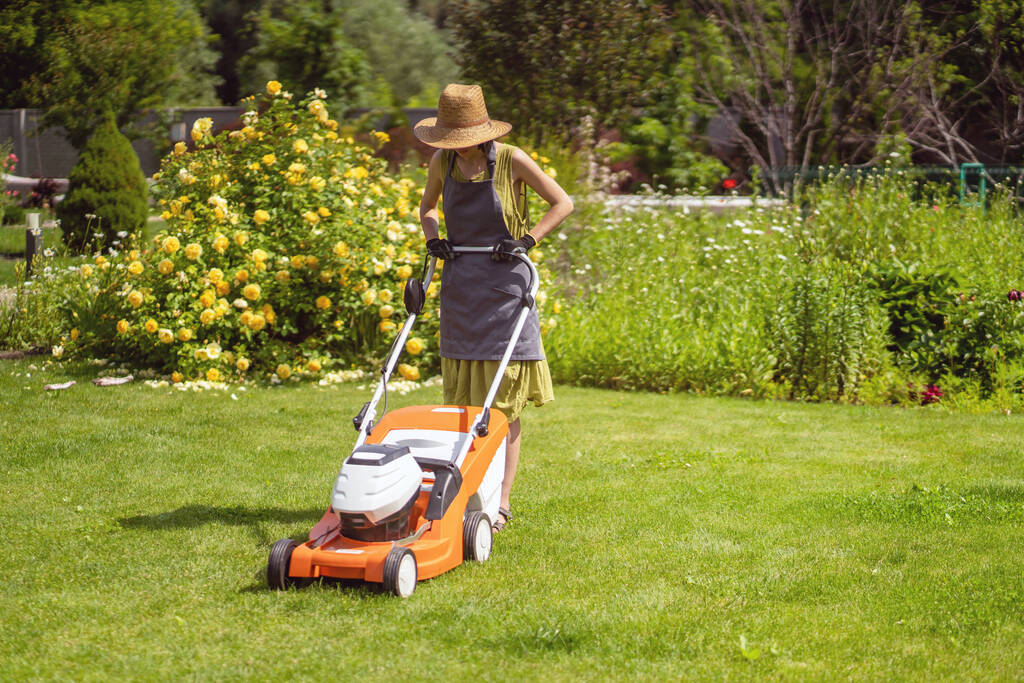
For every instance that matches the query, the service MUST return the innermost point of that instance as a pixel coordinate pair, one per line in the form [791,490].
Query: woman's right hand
[440,248]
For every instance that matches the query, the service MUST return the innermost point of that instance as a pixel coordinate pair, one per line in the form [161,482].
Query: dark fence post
[33,241]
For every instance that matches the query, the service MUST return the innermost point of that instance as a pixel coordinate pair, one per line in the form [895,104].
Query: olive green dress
[466,382]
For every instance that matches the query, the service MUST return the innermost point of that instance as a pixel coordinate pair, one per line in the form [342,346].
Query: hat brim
[443,137]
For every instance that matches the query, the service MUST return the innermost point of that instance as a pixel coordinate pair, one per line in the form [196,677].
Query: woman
[483,184]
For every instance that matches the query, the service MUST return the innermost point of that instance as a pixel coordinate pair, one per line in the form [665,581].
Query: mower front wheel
[279,564]
[400,572]
[477,537]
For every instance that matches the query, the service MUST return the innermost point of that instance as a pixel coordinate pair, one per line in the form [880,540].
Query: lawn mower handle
[363,422]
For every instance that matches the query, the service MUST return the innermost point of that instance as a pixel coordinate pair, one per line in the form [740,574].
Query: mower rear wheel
[279,564]
[477,537]
[400,572]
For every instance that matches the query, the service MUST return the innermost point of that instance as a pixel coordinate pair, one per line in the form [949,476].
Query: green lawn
[653,534]
[12,239]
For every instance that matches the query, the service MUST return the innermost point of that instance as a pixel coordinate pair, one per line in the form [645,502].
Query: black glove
[504,249]
[440,248]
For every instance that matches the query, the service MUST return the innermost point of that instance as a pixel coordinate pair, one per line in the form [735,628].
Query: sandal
[504,515]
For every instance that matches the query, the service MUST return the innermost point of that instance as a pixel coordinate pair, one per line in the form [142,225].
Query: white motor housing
[376,482]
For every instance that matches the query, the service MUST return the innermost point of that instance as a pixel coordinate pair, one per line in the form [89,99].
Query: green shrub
[107,192]
[827,331]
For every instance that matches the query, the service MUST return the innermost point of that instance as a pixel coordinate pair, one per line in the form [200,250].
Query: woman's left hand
[505,249]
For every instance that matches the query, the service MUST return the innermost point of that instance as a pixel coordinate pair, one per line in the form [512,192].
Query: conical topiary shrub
[106,191]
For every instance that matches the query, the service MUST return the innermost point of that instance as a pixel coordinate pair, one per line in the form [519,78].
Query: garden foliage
[869,289]
[107,192]
[287,248]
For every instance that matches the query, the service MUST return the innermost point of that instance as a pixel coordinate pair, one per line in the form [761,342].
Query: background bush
[107,192]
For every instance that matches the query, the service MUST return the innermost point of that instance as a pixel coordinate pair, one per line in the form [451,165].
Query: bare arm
[431,194]
[526,170]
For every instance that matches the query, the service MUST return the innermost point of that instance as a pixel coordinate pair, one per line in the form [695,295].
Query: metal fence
[47,154]
[970,182]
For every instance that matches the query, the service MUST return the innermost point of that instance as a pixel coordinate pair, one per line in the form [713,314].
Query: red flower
[729,183]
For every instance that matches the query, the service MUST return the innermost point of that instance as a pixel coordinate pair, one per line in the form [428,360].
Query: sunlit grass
[657,537]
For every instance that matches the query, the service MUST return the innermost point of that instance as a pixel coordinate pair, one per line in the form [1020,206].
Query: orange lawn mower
[417,495]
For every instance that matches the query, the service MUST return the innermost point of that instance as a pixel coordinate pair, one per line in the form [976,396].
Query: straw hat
[461,120]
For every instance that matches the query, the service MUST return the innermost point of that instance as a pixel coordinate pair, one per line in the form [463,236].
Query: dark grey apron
[480,298]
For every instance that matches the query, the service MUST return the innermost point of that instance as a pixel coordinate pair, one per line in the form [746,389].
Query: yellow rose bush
[285,241]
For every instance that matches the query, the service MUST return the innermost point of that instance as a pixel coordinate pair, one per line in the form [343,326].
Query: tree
[549,62]
[106,191]
[976,113]
[423,65]
[804,83]
[303,45]
[115,57]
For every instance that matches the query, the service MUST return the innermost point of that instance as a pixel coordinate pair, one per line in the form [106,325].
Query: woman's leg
[511,462]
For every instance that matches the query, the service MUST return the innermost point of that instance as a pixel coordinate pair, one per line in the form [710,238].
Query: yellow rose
[386,311]
[213,375]
[100,260]
[245,318]
[283,371]
[180,148]
[215,275]
[300,146]
[223,287]
[324,211]
[122,326]
[259,256]
[201,128]
[207,316]
[415,346]
[220,244]
[312,262]
[259,217]
[135,298]
[257,322]
[75,334]
[165,335]
[341,249]
[184,334]
[273,87]
[166,267]
[386,326]
[298,261]
[86,270]
[241,238]
[385,295]
[151,326]
[404,272]
[193,251]
[282,276]
[369,297]
[242,364]
[207,298]
[408,372]
[316,183]
[269,160]
[251,292]
[323,302]
[177,377]
[242,276]
[313,365]
[311,217]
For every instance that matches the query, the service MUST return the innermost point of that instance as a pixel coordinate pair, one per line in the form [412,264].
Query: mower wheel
[477,537]
[279,564]
[400,572]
